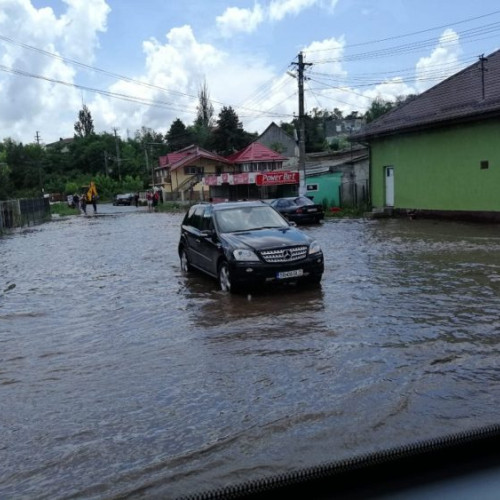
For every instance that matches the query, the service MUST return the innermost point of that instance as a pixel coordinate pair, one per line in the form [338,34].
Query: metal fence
[24,212]
[354,194]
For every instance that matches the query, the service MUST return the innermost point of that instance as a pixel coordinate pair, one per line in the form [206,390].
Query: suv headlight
[314,248]
[242,254]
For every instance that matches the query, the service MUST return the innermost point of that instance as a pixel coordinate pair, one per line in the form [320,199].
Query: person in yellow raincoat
[92,195]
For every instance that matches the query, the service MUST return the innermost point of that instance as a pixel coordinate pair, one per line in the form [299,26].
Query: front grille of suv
[290,254]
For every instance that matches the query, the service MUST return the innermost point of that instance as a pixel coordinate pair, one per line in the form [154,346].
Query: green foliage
[132,184]
[378,108]
[205,109]
[125,166]
[229,136]
[63,209]
[339,144]
[279,147]
[171,206]
[85,125]
[5,185]
[289,128]
[71,188]
[178,136]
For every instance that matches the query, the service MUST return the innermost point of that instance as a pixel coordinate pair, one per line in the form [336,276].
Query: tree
[85,125]
[201,130]
[5,185]
[337,113]
[205,110]
[147,136]
[289,128]
[229,136]
[378,108]
[178,136]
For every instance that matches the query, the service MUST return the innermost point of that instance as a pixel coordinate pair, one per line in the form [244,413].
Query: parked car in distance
[299,209]
[247,244]
[124,199]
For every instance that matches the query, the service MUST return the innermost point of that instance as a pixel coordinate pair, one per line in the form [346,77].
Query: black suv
[245,244]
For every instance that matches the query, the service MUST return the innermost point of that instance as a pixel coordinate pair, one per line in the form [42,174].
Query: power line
[412,47]
[405,35]
[108,73]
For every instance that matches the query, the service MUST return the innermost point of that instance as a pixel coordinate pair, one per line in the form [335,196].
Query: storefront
[252,185]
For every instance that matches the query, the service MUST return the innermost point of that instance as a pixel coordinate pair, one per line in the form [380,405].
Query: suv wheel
[185,265]
[225,278]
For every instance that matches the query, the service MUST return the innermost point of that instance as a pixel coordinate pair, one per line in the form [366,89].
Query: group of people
[80,202]
[152,198]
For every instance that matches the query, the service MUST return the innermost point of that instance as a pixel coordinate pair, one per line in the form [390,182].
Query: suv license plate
[290,274]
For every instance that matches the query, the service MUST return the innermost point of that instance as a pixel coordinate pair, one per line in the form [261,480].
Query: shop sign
[278,177]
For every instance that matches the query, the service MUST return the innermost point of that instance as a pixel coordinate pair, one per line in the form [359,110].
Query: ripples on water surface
[117,372]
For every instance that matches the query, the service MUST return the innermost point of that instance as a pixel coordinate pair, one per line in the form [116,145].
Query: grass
[62,208]
[171,206]
[347,212]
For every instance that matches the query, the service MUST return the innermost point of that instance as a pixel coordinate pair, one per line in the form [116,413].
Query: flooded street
[122,377]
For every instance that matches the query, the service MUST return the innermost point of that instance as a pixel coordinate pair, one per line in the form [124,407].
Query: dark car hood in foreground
[261,239]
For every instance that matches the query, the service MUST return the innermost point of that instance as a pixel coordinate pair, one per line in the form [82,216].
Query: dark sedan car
[247,244]
[299,209]
[124,199]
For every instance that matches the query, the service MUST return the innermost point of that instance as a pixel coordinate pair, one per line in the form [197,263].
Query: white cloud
[236,20]
[389,90]
[278,9]
[442,63]
[80,25]
[180,66]
[31,103]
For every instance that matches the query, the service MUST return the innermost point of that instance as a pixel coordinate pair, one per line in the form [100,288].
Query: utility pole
[302,126]
[117,155]
[151,144]
[147,168]
[106,163]
[40,185]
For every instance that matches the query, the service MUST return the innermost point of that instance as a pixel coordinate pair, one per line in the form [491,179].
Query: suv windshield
[247,218]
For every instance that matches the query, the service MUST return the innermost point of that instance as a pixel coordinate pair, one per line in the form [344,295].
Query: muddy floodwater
[122,377]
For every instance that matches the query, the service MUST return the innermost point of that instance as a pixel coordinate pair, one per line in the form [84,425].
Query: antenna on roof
[482,60]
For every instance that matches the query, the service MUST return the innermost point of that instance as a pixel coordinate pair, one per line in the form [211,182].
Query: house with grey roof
[438,154]
[275,138]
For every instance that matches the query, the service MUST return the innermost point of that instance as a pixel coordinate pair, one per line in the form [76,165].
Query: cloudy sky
[142,63]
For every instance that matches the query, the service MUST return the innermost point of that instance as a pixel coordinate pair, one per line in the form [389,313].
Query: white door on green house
[389,186]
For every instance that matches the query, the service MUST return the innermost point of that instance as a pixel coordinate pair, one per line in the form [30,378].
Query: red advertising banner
[210,180]
[278,177]
[241,178]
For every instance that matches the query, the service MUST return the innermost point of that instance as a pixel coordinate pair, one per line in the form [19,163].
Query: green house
[325,189]
[438,154]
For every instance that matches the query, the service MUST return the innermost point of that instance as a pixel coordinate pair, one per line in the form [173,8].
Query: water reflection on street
[119,373]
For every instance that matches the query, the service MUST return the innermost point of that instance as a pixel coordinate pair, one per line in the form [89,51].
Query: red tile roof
[254,153]
[189,155]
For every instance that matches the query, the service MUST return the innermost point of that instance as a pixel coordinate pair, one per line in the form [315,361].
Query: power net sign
[275,178]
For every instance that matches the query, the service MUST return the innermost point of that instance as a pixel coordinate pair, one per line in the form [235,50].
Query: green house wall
[440,169]
[328,188]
